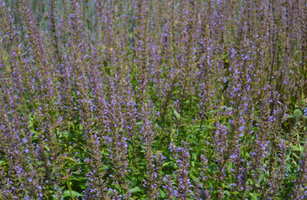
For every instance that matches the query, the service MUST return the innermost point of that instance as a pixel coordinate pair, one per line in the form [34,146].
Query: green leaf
[166,163]
[254,195]
[66,134]
[209,127]
[162,194]
[213,111]
[66,193]
[74,161]
[32,59]
[289,116]
[134,81]
[177,115]
[104,167]
[139,123]
[134,190]
[209,121]
[2,162]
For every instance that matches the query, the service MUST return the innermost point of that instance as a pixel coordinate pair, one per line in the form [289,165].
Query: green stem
[69,187]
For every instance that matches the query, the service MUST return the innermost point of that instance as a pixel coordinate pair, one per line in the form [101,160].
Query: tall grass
[138,99]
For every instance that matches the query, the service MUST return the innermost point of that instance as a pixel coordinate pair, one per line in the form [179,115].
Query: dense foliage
[156,99]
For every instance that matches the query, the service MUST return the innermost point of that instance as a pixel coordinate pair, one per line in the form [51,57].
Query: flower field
[153,99]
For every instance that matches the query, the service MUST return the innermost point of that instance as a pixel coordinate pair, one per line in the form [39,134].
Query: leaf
[104,167]
[134,81]
[210,127]
[209,121]
[194,177]
[47,148]
[213,111]
[162,193]
[235,192]
[194,155]
[2,162]
[107,68]
[134,190]
[74,161]
[66,193]
[289,116]
[66,134]
[254,195]
[33,61]
[166,164]
[177,115]
[139,123]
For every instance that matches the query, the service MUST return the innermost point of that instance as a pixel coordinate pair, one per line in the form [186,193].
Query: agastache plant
[156,99]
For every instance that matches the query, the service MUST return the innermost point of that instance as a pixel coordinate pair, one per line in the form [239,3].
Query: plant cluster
[159,99]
